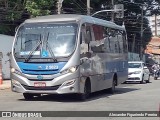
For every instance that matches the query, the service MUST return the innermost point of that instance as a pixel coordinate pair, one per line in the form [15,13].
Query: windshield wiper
[50,49]
[37,45]
[33,50]
[28,41]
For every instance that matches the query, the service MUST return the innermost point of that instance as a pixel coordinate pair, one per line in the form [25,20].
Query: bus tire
[112,89]
[28,96]
[87,91]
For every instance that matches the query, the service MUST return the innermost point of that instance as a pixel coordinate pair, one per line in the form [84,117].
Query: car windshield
[45,40]
[134,65]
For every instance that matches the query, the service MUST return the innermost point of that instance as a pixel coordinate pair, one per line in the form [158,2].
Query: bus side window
[98,44]
[84,34]
[112,37]
[107,40]
[125,42]
[120,39]
[88,35]
[83,44]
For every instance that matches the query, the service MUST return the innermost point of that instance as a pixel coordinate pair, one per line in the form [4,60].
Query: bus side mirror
[16,29]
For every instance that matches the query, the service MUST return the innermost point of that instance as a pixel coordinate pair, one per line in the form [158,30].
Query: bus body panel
[55,79]
[99,68]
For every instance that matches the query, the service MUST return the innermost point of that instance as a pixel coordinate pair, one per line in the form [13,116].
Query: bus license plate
[39,84]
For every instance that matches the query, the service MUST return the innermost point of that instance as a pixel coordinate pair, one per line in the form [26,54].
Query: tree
[132,20]
[136,24]
[39,7]
[10,12]
[14,12]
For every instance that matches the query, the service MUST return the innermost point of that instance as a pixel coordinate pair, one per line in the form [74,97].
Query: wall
[5,49]
[134,57]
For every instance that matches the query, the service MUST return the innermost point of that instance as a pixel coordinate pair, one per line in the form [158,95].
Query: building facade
[153,50]
[154,22]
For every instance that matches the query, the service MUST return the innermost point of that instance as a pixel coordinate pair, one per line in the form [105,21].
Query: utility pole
[155,25]
[133,45]
[59,5]
[141,41]
[88,7]
[112,17]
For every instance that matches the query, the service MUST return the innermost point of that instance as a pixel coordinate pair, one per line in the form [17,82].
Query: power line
[78,5]
[83,4]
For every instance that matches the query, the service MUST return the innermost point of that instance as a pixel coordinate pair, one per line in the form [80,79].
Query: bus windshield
[45,40]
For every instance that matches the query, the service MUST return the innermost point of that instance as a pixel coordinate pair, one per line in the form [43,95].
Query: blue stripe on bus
[41,68]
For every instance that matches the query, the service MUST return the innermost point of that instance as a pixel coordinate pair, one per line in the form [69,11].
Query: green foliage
[10,12]
[133,23]
[13,16]
[4,29]
[39,7]
[14,12]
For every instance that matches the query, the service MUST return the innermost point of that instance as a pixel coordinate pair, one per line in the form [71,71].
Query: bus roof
[73,17]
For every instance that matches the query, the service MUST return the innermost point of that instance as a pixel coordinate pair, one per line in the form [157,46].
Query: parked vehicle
[138,72]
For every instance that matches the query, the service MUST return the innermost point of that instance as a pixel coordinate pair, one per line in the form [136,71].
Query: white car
[138,72]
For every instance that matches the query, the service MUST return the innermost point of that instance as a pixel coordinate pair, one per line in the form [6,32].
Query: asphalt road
[128,97]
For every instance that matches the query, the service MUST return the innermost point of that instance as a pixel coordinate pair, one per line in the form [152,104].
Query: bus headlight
[13,70]
[70,70]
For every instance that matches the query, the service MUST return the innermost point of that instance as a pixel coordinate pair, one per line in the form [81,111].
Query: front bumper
[134,77]
[57,85]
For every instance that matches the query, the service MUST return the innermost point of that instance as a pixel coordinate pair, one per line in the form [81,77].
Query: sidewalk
[6,85]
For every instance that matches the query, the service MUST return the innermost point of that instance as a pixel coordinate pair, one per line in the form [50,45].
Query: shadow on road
[106,93]
[132,83]
[73,98]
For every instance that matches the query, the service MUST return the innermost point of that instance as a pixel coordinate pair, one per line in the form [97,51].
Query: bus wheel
[28,96]
[112,89]
[87,91]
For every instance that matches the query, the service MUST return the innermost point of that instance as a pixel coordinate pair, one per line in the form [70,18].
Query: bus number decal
[49,67]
